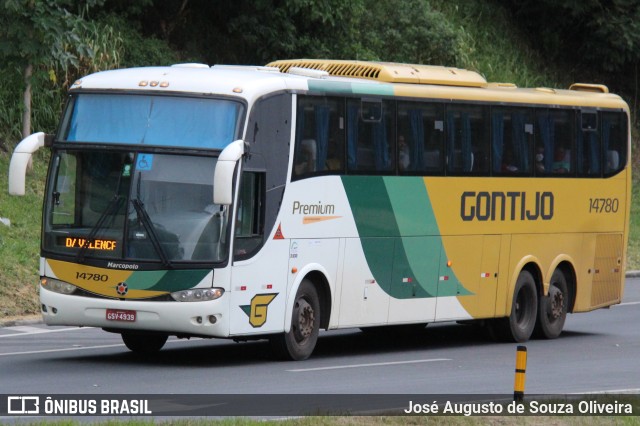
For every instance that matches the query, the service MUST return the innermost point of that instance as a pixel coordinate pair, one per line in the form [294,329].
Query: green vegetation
[633,255]
[526,42]
[20,242]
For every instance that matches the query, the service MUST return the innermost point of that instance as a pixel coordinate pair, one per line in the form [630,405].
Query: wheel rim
[305,321]
[556,303]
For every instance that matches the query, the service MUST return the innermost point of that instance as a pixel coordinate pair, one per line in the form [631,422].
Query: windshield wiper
[113,206]
[148,225]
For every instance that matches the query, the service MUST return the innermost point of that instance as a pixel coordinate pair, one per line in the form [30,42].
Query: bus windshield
[151,120]
[134,207]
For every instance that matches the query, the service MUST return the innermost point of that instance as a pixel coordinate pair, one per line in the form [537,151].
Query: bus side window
[554,136]
[319,136]
[613,130]
[511,141]
[420,138]
[467,139]
[250,215]
[588,150]
[371,147]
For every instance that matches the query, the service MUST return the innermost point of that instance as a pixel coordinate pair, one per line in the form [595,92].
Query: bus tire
[299,342]
[144,343]
[552,311]
[519,325]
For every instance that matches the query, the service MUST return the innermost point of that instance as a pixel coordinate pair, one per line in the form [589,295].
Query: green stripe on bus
[400,236]
[411,206]
[350,88]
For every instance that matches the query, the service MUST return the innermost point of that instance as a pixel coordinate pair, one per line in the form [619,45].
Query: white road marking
[21,330]
[24,329]
[82,348]
[614,391]
[46,351]
[375,364]
[627,304]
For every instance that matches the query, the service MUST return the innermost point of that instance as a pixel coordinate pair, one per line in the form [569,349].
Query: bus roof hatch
[388,72]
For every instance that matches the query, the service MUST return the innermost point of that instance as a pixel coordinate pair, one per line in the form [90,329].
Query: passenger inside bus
[334,156]
[540,159]
[561,163]
[508,162]
[404,158]
[306,160]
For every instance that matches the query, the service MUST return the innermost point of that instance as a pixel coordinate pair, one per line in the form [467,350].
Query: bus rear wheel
[144,343]
[299,342]
[552,311]
[519,325]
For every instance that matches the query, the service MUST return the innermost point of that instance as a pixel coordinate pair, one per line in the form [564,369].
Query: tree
[40,36]
[601,34]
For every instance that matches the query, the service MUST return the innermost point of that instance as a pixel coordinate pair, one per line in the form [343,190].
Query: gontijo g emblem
[257,311]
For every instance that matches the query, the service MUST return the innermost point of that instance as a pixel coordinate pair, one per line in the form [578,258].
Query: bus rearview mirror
[20,161]
[224,173]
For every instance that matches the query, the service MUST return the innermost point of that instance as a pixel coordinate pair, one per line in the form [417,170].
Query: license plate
[121,315]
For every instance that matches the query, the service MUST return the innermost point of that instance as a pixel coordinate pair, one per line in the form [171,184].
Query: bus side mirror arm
[20,160]
[223,175]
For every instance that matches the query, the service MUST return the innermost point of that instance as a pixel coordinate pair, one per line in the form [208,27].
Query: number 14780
[603,205]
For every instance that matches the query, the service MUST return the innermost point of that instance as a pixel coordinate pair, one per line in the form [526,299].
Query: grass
[20,242]
[633,254]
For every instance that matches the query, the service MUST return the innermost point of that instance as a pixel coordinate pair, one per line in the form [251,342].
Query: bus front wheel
[553,308]
[299,342]
[143,343]
[519,325]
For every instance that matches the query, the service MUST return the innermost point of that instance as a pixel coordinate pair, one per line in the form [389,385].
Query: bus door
[259,268]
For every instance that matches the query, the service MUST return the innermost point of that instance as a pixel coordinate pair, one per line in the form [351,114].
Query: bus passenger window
[512,140]
[554,141]
[319,136]
[420,138]
[371,146]
[613,131]
[467,139]
[250,215]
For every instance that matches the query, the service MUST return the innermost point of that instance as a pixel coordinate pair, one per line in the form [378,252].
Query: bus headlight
[57,286]
[197,294]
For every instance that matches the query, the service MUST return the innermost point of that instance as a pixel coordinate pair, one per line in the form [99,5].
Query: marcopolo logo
[122,289]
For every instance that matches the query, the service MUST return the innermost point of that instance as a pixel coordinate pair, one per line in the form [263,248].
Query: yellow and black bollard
[521,372]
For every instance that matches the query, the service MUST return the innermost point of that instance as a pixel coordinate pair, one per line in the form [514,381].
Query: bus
[270,202]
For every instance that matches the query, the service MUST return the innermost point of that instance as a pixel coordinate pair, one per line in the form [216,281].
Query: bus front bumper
[175,318]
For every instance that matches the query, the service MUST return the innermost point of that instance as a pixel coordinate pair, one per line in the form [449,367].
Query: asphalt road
[598,352]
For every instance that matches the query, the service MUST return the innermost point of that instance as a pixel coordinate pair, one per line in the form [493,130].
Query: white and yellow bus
[270,202]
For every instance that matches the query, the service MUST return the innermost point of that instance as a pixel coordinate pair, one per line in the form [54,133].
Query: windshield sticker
[145,162]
